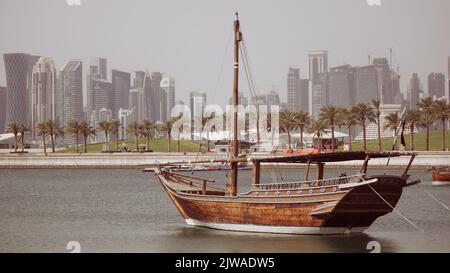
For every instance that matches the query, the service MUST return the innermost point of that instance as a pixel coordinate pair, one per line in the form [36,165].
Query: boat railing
[312,183]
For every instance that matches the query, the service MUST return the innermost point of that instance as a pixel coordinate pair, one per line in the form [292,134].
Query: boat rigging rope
[397,211]
[435,199]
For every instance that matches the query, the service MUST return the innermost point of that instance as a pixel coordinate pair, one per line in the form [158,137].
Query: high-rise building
[17,94]
[384,75]
[43,92]
[168,86]
[319,94]
[317,64]
[102,94]
[415,89]
[2,109]
[71,77]
[273,98]
[155,97]
[242,100]
[304,95]
[436,85]
[137,104]
[97,71]
[121,82]
[197,103]
[366,84]
[293,89]
[341,88]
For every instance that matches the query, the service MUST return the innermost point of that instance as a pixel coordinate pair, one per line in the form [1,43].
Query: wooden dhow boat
[441,176]
[319,206]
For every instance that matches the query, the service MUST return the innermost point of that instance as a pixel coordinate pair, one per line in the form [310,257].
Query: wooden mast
[235,142]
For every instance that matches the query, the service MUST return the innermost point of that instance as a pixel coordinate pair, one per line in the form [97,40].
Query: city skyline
[182,50]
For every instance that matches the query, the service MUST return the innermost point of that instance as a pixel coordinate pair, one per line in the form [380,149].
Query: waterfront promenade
[424,160]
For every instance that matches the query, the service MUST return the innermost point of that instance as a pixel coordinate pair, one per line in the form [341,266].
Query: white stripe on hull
[277,229]
[441,183]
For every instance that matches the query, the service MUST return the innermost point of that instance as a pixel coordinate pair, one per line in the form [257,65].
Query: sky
[189,38]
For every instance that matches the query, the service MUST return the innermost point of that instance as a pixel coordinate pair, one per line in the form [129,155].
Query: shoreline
[423,161]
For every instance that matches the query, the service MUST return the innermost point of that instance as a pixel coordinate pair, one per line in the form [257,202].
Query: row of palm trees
[428,111]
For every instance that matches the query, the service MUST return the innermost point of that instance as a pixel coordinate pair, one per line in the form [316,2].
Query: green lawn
[157,145]
[419,142]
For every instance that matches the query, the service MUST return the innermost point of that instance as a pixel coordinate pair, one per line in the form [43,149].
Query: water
[127,211]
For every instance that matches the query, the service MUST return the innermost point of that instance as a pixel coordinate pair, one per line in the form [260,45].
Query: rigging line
[435,199]
[219,78]
[252,74]
[397,211]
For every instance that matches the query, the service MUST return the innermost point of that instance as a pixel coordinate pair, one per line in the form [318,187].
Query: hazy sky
[188,38]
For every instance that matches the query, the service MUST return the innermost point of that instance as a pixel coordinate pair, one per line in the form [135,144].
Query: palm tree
[148,128]
[426,107]
[86,131]
[204,120]
[376,106]
[42,131]
[302,121]
[14,128]
[317,128]
[167,129]
[73,129]
[106,127]
[413,119]
[442,113]
[54,130]
[329,116]
[347,118]
[364,112]
[135,129]
[288,122]
[115,128]
[391,122]
[23,129]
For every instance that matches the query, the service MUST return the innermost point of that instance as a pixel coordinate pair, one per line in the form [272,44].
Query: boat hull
[441,177]
[325,210]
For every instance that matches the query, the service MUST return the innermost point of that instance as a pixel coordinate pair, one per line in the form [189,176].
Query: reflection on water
[127,211]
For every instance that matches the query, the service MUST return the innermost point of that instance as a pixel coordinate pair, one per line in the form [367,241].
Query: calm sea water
[127,211]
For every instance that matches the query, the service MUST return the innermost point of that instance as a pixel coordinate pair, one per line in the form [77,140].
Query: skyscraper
[341,89]
[319,97]
[43,92]
[317,64]
[304,95]
[121,82]
[293,89]
[168,86]
[72,91]
[384,75]
[102,91]
[97,71]
[2,109]
[436,85]
[17,95]
[415,89]
[366,84]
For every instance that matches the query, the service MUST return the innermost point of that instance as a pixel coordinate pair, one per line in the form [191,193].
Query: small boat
[441,176]
[321,205]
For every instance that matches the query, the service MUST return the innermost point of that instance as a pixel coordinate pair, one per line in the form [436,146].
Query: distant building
[304,95]
[366,84]
[102,95]
[341,88]
[125,117]
[293,89]
[384,75]
[18,68]
[436,85]
[317,64]
[71,77]
[197,103]
[2,109]
[319,94]
[97,71]
[273,98]
[415,89]
[156,98]
[44,92]
[168,86]
[121,82]
[137,104]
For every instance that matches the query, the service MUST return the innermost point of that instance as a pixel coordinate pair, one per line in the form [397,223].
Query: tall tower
[97,71]
[293,89]
[2,109]
[415,89]
[121,82]
[168,86]
[72,91]
[17,96]
[43,91]
[317,64]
